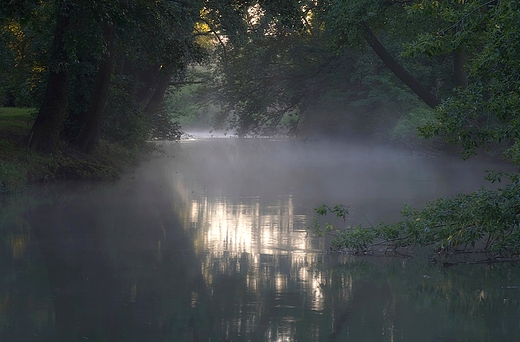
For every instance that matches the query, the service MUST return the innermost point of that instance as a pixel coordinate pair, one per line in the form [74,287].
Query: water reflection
[256,248]
[195,246]
[259,250]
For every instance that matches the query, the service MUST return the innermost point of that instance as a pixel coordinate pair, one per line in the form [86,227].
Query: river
[208,241]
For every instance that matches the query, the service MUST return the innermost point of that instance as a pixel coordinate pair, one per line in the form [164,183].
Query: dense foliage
[95,70]
[484,221]
[485,113]
[300,71]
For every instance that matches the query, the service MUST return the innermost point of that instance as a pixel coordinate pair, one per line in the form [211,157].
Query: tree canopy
[280,60]
[85,57]
[277,66]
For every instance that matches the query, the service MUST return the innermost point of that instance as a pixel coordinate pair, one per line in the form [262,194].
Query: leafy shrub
[486,221]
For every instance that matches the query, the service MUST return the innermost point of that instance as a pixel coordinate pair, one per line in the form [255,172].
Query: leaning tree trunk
[394,66]
[158,95]
[89,136]
[148,81]
[45,133]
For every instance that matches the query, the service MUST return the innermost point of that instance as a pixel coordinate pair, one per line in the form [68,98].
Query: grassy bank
[20,166]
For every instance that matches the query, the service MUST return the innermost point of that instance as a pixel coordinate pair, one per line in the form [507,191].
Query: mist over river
[208,241]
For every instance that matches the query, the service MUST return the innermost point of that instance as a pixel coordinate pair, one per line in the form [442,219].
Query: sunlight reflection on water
[257,227]
[272,246]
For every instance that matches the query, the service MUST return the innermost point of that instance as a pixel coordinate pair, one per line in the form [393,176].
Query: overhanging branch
[398,70]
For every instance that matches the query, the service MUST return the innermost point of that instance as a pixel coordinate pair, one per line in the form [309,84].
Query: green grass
[16,119]
[15,124]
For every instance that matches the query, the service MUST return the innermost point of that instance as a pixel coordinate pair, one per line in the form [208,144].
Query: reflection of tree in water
[23,280]
[118,273]
[266,285]
[259,302]
[363,301]
[414,301]
[255,258]
[132,263]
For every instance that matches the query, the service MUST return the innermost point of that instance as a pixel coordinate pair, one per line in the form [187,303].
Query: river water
[208,241]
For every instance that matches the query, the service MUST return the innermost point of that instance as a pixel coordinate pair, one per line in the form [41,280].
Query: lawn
[17,121]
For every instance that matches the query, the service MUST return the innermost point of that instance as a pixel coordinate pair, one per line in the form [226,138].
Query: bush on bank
[484,222]
[20,166]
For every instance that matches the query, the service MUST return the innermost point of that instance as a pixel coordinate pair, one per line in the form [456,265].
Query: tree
[292,49]
[394,66]
[273,65]
[351,22]
[483,114]
[45,133]
[90,132]
[24,46]
[90,57]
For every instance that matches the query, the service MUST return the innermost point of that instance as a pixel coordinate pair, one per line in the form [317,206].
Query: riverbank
[20,166]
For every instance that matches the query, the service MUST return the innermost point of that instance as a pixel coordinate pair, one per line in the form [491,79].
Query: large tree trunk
[460,76]
[45,133]
[158,95]
[394,66]
[89,136]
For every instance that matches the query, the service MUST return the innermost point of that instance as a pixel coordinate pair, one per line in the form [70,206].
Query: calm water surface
[208,242]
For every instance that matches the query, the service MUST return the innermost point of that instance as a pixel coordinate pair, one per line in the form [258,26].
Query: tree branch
[394,66]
